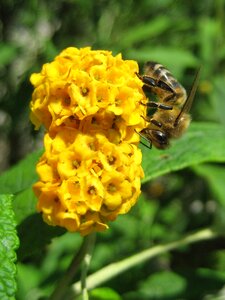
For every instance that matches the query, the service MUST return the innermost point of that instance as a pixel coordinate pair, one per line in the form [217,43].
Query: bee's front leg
[152,104]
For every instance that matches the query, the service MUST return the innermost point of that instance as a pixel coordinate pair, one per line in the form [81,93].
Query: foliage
[183,188]
[9,243]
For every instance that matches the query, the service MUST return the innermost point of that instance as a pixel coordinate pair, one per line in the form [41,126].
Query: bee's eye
[160,137]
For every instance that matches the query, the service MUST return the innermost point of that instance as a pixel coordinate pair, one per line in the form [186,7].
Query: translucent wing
[188,103]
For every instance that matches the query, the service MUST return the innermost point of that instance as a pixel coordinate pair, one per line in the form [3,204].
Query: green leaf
[163,285]
[104,293]
[215,176]
[144,31]
[34,235]
[20,176]
[217,95]
[204,142]
[210,274]
[7,54]
[24,204]
[25,286]
[9,243]
[208,39]
[30,224]
[173,58]
[202,281]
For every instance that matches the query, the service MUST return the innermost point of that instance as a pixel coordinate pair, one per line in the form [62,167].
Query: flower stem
[62,286]
[85,266]
[112,270]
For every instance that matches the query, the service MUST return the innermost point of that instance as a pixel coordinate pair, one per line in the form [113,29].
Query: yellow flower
[80,83]
[90,104]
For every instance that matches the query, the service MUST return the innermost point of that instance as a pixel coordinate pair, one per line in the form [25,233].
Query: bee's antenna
[148,140]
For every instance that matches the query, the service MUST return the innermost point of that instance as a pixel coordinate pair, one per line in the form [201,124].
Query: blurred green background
[182,35]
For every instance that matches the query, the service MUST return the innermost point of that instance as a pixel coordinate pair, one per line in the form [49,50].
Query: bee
[171,118]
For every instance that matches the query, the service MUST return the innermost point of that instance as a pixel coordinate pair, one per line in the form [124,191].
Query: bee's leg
[164,86]
[151,82]
[153,121]
[147,80]
[157,105]
[172,94]
[156,123]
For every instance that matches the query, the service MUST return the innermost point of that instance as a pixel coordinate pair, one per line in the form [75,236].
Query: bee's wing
[188,103]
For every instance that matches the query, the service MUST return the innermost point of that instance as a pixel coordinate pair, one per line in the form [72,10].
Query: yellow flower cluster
[90,104]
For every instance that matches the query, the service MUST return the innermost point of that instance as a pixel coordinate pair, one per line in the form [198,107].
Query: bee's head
[157,138]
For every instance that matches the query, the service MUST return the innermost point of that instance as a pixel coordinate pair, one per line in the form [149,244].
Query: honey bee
[171,118]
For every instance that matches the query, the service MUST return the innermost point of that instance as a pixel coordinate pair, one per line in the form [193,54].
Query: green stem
[112,270]
[62,285]
[85,267]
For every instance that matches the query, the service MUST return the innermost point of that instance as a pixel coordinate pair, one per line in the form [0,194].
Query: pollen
[89,103]
[84,91]
[111,188]
[111,159]
[67,101]
[76,164]
[92,190]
